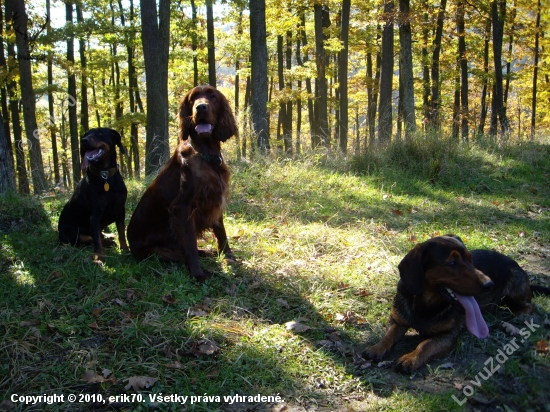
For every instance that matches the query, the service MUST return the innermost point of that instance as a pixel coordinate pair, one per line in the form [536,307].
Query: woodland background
[344,75]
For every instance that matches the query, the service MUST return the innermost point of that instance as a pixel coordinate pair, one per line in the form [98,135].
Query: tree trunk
[483,113]
[436,103]
[281,121]
[73,122]
[287,125]
[463,59]
[510,50]
[7,176]
[426,103]
[84,116]
[4,93]
[194,44]
[211,44]
[310,105]
[132,87]
[258,57]
[406,72]
[155,38]
[343,72]
[321,21]
[53,131]
[535,70]
[386,77]
[28,97]
[498,10]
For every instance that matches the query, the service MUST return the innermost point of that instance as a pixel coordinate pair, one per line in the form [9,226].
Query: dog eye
[452,263]
[212,96]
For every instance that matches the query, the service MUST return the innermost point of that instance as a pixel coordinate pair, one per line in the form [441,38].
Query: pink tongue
[203,128]
[90,154]
[474,320]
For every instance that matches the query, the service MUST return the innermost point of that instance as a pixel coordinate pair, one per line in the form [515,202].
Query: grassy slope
[319,241]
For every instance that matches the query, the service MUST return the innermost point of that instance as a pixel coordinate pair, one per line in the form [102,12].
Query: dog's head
[204,113]
[444,263]
[97,147]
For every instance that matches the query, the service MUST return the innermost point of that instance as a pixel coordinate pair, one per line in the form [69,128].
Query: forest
[344,75]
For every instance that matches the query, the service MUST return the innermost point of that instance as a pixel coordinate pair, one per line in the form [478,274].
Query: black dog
[99,198]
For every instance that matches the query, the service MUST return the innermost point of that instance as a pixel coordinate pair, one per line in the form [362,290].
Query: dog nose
[202,107]
[488,285]
[85,140]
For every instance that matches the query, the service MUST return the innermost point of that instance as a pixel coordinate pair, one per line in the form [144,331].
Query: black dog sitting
[99,198]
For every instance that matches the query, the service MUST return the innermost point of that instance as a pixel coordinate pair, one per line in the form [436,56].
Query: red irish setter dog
[190,193]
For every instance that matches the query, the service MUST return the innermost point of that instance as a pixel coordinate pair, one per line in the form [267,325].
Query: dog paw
[408,363]
[375,352]
[98,260]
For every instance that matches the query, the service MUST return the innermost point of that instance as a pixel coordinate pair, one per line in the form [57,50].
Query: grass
[318,240]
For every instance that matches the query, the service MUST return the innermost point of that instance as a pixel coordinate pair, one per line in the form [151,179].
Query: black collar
[212,159]
[104,174]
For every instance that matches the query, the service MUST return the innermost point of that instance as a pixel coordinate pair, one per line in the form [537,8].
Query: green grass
[318,241]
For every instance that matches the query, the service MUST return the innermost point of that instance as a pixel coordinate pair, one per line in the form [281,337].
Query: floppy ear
[456,238]
[227,126]
[117,140]
[411,270]
[184,117]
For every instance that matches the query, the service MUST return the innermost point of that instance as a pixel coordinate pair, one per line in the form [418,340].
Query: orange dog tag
[106,186]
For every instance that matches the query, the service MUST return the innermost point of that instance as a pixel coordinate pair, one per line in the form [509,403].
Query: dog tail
[540,289]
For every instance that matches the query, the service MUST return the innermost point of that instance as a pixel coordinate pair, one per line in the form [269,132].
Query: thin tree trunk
[510,50]
[343,76]
[84,116]
[483,113]
[436,103]
[310,105]
[73,123]
[535,71]
[463,58]
[53,131]
[287,126]
[7,176]
[386,77]
[28,98]
[406,72]
[210,41]
[321,21]
[194,44]
[498,9]
[4,93]
[426,103]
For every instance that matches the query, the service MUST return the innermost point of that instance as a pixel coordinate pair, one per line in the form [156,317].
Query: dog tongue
[474,320]
[203,128]
[90,154]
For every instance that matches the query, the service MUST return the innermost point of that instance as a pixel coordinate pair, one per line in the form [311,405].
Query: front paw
[375,352]
[98,259]
[200,275]
[408,363]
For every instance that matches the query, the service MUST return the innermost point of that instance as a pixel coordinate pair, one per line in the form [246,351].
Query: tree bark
[27,96]
[211,43]
[194,44]
[498,13]
[436,103]
[7,176]
[258,57]
[386,77]
[84,116]
[535,70]
[155,38]
[343,76]
[483,112]
[406,70]
[73,122]
[463,58]
[321,21]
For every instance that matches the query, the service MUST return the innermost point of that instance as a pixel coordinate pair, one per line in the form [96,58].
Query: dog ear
[117,140]
[185,111]
[227,126]
[456,238]
[411,270]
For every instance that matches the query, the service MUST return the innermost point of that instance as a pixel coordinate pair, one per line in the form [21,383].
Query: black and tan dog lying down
[443,287]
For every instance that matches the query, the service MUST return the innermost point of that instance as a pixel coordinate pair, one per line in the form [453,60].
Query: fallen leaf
[118,302]
[106,372]
[397,212]
[168,298]
[96,311]
[213,373]
[510,329]
[129,295]
[283,303]
[413,238]
[296,326]
[197,312]
[458,386]
[54,275]
[384,364]
[207,347]
[362,293]
[386,196]
[542,346]
[447,365]
[93,325]
[92,377]
[138,383]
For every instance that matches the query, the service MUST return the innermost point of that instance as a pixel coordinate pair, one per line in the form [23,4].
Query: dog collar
[212,159]
[104,174]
